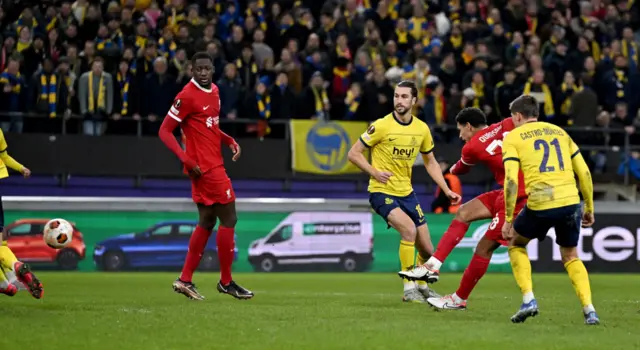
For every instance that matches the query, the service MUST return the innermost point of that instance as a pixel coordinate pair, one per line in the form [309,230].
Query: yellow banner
[322,147]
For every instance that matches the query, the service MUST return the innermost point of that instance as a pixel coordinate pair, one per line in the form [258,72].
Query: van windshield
[282,235]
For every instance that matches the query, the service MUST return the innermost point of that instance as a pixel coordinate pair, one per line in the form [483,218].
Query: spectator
[126,101]
[316,103]
[159,91]
[283,98]
[95,93]
[231,92]
[12,84]
[575,58]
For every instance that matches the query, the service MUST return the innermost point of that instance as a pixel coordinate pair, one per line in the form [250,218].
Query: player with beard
[196,109]
[395,141]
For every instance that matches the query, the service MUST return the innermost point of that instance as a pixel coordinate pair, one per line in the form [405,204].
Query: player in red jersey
[196,110]
[483,145]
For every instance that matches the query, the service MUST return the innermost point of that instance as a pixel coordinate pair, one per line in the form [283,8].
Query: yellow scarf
[392,61]
[101,94]
[549,111]
[254,66]
[621,80]
[342,73]
[566,104]
[420,79]
[141,41]
[456,41]
[630,50]
[403,37]
[264,106]
[438,108]
[48,92]
[595,51]
[123,82]
[353,103]
[21,45]
[479,90]
[393,9]
[417,27]
[320,100]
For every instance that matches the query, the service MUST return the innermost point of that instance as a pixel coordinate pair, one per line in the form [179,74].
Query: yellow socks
[407,253]
[7,258]
[580,280]
[421,261]
[521,267]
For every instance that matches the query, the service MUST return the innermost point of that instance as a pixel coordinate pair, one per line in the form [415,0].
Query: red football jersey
[198,111]
[486,147]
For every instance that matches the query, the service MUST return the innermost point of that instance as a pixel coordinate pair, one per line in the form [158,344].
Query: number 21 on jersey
[544,146]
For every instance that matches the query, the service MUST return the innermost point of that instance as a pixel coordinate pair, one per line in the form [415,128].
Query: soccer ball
[58,233]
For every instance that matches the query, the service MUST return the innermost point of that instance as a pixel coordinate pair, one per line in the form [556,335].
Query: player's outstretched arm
[581,170]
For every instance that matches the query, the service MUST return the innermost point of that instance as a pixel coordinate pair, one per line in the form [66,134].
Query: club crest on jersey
[211,121]
[371,130]
[177,104]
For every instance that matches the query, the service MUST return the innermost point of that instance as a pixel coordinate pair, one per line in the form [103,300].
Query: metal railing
[72,124]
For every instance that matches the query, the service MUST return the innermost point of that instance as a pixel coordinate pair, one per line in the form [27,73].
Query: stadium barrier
[276,234]
[111,155]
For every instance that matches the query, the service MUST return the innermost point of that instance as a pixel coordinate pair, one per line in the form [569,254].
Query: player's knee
[207,222]
[518,240]
[568,254]
[229,220]
[408,232]
[483,252]
[463,214]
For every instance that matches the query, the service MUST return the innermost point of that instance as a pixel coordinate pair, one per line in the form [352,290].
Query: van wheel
[68,259]
[209,262]
[267,264]
[349,263]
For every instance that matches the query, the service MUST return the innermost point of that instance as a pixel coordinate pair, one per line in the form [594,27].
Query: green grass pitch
[312,311]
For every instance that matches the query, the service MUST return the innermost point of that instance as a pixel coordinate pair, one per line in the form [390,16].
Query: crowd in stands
[114,62]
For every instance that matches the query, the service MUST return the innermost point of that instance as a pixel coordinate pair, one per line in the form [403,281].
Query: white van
[344,240]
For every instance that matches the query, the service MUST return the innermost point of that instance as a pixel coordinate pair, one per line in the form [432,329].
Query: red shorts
[494,201]
[210,189]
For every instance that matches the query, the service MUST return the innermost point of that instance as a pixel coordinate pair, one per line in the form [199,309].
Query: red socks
[197,242]
[451,238]
[226,244]
[474,272]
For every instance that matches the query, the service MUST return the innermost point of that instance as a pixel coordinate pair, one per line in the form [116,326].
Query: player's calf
[187,289]
[33,284]
[235,290]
